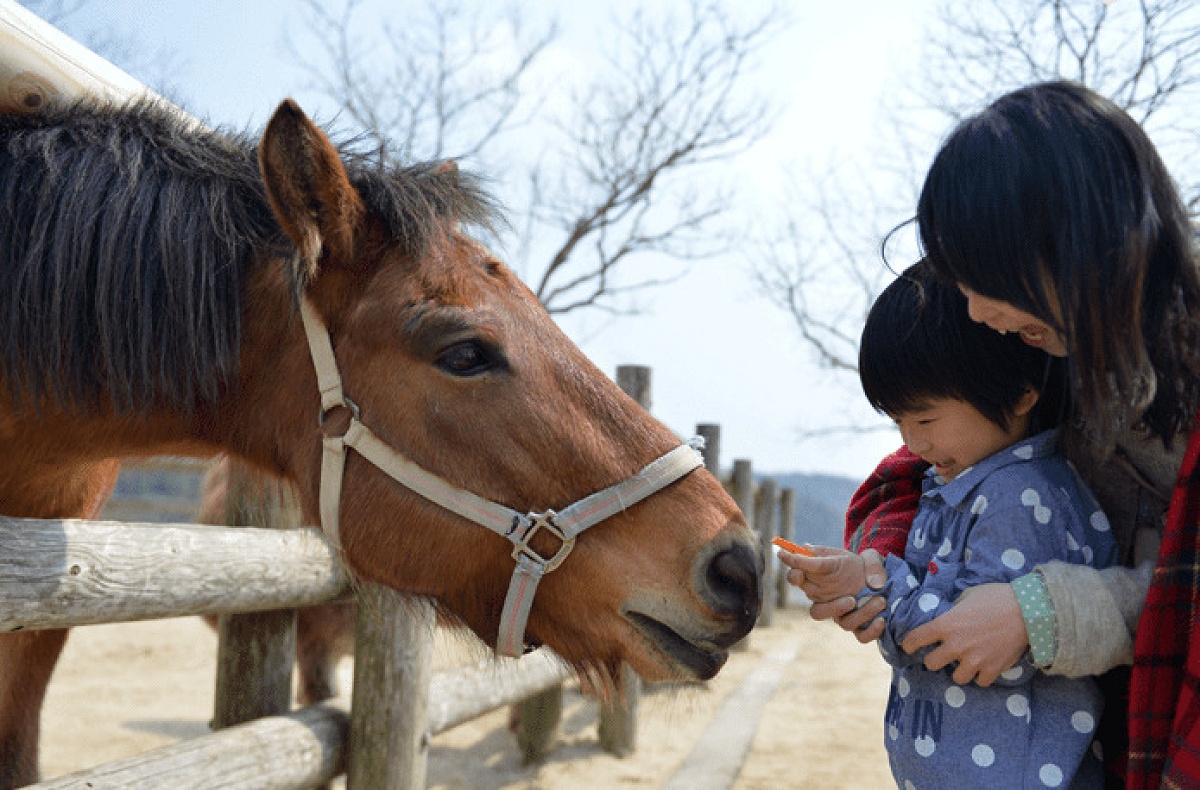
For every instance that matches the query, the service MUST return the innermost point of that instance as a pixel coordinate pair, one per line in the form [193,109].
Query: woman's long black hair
[1054,200]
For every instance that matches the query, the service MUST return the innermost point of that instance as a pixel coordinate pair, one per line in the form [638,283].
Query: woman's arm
[984,632]
[1096,612]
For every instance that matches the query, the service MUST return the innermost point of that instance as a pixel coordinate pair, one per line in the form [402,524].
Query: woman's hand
[984,632]
[832,578]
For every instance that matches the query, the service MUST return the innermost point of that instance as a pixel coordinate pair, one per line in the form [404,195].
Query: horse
[329,317]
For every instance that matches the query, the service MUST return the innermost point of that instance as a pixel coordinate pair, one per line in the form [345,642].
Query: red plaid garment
[882,509]
[1164,714]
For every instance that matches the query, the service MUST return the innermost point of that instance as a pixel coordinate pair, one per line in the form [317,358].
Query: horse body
[151,276]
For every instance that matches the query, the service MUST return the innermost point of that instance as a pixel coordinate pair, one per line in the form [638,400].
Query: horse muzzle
[728,580]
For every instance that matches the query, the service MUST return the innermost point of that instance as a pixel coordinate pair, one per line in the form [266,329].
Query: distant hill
[821,502]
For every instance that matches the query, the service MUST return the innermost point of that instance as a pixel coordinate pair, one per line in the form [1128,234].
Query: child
[996,501]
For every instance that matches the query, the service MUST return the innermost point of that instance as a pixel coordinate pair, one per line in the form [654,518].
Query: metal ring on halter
[351,406]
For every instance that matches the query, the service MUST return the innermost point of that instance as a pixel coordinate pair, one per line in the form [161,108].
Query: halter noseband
[516,527]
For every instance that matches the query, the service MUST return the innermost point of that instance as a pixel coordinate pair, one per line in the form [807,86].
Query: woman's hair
[919,344]
[1055,201]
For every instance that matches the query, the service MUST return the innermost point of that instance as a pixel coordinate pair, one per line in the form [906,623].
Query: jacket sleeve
[1096,612]
[905,598]
[882,509]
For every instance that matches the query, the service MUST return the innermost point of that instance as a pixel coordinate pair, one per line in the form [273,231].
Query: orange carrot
[787,545]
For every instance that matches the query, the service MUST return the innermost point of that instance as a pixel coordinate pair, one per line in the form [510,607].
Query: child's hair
[1054,200]
[919,344]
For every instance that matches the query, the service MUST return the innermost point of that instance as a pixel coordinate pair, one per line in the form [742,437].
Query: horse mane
[128,234]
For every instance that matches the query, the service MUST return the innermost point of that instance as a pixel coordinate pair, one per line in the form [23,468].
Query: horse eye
[469,358]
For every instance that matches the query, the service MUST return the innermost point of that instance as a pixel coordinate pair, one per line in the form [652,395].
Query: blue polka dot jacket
[992,523]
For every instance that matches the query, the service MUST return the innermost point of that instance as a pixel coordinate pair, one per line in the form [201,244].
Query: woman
[1053,213]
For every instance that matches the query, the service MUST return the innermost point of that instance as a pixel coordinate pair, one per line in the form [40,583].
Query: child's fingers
[814,566]
[787,545]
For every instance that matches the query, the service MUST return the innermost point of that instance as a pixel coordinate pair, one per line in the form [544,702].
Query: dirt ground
[123,689]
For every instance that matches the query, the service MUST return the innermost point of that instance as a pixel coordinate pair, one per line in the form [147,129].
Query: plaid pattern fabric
[882,509]
[1164,716]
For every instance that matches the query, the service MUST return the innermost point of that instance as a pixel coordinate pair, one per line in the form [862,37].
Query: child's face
[952,434]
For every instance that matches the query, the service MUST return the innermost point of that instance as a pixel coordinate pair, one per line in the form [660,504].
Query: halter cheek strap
[519,528]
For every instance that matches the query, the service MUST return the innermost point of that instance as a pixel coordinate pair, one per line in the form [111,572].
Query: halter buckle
[523,532]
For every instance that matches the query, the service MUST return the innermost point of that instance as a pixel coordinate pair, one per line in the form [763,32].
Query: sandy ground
[122,689]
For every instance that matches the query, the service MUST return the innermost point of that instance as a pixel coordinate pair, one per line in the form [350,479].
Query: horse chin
[681,657]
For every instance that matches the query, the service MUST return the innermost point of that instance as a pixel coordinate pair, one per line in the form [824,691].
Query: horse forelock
[129,234]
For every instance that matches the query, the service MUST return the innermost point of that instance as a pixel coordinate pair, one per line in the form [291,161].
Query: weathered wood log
[393,663]
[618,715]
[256,651]
[63,573]
[766,526]
[540,716]
[787,518]
[741,488]
[297,750]
[460,695]
[711,434]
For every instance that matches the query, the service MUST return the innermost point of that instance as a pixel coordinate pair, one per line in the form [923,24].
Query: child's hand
[829,574]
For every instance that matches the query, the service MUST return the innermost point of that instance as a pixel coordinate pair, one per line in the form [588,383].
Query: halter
[516,527]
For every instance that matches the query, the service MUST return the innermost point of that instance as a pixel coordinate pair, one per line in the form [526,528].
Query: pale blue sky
[719,351]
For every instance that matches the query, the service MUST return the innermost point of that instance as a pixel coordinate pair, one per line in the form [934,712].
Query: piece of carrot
[787,545]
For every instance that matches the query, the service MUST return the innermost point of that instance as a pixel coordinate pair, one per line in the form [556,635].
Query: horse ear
[307,187]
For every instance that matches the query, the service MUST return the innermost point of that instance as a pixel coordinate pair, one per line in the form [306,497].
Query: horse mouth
[695,660]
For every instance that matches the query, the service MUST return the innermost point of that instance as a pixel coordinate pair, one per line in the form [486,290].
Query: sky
[719,351]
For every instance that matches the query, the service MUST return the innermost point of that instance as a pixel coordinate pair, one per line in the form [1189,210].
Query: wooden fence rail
[307,747]
[64,573]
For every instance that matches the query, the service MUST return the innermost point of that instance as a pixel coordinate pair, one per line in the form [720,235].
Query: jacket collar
[955,492]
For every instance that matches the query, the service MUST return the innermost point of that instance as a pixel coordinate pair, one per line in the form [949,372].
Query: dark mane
[127,236]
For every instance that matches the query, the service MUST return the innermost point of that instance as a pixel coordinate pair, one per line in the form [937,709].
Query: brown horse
[153,276]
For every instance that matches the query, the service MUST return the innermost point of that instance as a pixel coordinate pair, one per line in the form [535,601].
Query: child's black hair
[919,344]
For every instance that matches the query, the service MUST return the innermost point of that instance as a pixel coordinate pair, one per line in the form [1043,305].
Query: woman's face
[1004,318]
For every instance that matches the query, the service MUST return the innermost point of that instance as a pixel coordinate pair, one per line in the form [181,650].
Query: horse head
[450,360]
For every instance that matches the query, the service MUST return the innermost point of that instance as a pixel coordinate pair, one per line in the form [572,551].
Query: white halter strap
[517,527]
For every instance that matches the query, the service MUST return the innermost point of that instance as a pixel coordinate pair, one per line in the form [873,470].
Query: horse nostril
[733,582]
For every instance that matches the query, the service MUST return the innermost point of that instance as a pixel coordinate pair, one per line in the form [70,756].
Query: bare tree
[609,162]
[442,82]
[823,266]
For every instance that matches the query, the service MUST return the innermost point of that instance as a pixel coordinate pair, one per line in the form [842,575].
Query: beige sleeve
[1097,613]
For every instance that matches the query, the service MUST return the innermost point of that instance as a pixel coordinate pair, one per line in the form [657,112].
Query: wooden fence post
[711,434]
[389,713]
[618,715]
[766,525]
[742,491]
[538,716]
[787,518]
[256,650]
[743,488]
